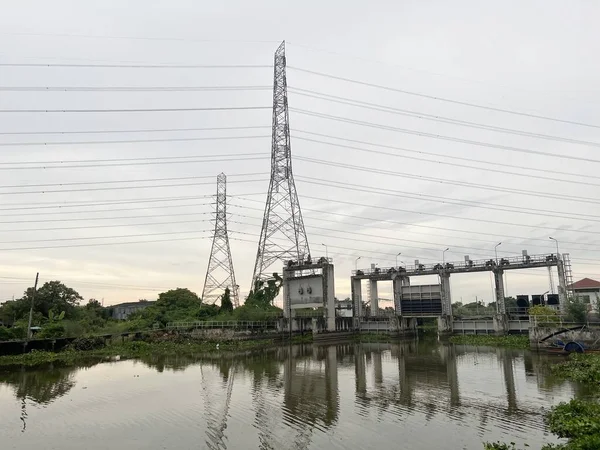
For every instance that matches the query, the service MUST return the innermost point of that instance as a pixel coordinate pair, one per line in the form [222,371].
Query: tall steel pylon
[219,273]
[283,236]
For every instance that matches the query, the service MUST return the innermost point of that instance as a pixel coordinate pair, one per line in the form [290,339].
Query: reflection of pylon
[219,273]
[283,236]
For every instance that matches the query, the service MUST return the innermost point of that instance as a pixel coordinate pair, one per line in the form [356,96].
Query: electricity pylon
[283,236]
[219,273]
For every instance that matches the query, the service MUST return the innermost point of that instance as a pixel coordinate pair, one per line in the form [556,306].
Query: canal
[412,395]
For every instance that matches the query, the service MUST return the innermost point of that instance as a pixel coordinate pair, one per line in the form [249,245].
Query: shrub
[6,334]
[89,343]
[52,330]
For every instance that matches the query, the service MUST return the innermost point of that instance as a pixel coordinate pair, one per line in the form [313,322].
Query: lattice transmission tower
[283,236]
[219,273]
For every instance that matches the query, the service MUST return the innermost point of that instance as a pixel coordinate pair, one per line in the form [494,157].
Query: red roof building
[587,291]
[585,284]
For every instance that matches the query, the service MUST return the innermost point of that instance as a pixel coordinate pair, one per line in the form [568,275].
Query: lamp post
[356,263]
[496,251]
[444,256]
[399,253]
[326,252]
[555,240]
[31,308]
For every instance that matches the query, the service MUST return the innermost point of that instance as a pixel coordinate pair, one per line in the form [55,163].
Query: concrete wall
[588,336]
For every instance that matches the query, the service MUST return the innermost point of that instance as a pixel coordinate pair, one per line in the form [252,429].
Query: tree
[576,310]
[544,315]
[510,303]
[12,311]
[226,304]
[54,296]
[180,298]
[264,293]
[176,305]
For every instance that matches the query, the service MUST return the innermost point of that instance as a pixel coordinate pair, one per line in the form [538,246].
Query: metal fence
[230,324]
[560,321]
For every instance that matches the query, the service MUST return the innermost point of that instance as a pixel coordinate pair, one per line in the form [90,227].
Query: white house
[586,290]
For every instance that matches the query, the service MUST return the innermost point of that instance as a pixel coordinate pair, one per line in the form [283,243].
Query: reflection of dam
[425,373]
[311,386]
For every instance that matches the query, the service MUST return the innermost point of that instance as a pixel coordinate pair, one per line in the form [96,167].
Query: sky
[439,125]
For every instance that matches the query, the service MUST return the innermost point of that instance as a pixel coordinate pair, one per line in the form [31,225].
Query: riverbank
[578,420]
[510,341]
[155,345]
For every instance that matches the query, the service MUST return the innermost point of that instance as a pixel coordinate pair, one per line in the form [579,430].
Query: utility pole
[31,308]
[219,273]
[282,237]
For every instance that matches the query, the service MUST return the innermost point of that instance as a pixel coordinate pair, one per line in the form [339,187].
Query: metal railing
[559,321]
[490,263]
[230,324]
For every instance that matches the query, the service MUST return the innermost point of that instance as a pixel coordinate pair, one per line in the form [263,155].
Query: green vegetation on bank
[58,312]
[584,368]
[578,420]
[510,341]
[155,345]
[374,337]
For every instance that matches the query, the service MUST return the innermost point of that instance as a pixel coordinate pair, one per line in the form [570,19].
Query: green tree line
[60,311]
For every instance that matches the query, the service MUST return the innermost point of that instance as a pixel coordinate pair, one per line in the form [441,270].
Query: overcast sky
[535,57]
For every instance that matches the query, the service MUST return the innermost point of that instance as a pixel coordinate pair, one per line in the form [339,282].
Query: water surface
[415,395]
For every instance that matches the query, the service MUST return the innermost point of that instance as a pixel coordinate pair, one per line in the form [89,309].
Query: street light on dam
[496,251]
[555,240]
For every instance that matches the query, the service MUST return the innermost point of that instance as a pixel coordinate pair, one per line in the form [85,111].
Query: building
[123,310]
[343,308]
[587,290]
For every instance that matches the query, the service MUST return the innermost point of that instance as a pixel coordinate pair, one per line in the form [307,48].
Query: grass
[580,367]
[374,337]
[578,421]
[134,349]
[510,341]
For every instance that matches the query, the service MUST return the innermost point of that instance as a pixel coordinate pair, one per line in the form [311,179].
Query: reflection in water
[215,429]
[302,397]
[41,386]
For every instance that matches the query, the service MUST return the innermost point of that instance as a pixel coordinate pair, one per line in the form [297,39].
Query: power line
[439,136]
[374,219]
[54,204]
[221,108]
[385,237]
[362,251]
[432,227]
[443,99]
[143,130]
[141,162]
[139,66]
[131,88]
[56,191]
[79,219]
[452,182]
[435,118]
[120,225]
[101,244]
[184,159]
[62,213]
[130,141]
[391,193]
[146,180]
[487,169]
[145,38]
[103,237]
